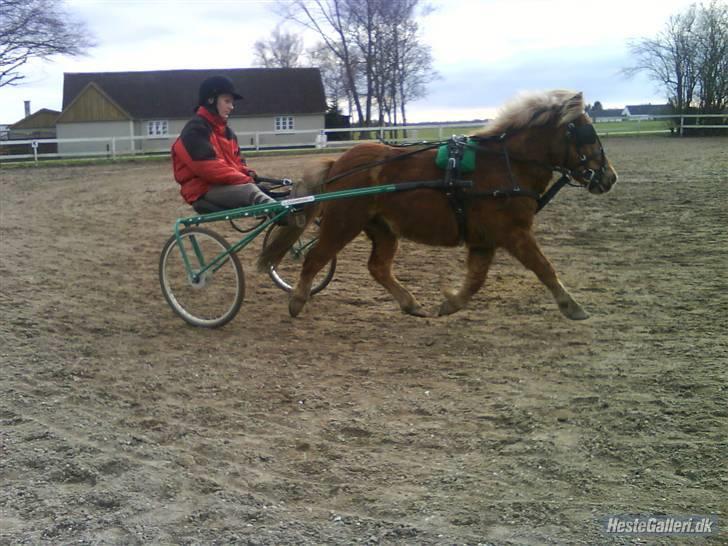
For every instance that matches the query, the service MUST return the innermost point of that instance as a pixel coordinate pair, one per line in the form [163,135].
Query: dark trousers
[222,197]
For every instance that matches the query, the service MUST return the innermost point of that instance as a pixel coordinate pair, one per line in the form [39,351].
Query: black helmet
[214,86]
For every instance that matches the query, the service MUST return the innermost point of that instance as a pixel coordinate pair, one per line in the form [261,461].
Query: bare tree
[402,64]
[282,50]
[329,19]
[670,58]
[375,42]
[332,75]
[689,58]
[413,63]
[712,57]
[37,29]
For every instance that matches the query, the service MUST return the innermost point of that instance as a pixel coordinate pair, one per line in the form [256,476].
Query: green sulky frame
[276,211]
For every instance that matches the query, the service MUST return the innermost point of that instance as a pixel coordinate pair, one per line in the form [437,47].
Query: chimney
[27,108]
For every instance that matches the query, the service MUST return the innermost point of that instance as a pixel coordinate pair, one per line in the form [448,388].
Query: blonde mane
[559,106]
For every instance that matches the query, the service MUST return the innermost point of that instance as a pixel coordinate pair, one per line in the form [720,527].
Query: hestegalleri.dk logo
[629,524]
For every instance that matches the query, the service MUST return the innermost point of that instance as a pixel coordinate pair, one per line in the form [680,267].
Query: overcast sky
[485,51]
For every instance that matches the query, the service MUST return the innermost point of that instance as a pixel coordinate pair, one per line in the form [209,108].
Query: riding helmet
[214,86]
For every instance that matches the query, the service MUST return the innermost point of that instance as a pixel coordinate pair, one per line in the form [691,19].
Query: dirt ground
[355,424]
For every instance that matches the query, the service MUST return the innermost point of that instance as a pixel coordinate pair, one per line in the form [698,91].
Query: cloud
[485,50]
[470,94]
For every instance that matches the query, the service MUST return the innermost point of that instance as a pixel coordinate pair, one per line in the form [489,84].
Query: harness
[452,182]
[456,160]
[458,146]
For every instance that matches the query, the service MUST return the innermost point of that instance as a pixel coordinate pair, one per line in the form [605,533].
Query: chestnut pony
[532,137]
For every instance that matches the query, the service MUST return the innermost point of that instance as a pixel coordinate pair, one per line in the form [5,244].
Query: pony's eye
[582,158]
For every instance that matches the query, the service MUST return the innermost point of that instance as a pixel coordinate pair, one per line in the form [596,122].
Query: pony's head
[574,147]
[584,157]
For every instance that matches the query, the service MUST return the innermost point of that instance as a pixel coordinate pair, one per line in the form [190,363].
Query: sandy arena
[356,424]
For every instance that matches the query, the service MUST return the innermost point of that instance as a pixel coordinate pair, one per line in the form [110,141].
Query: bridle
[580,136]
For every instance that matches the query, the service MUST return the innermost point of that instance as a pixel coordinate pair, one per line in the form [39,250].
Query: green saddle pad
[467,163]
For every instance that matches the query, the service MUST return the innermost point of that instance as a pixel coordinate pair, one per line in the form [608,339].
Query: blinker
[584,134]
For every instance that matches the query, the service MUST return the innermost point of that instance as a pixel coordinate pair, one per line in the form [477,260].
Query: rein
[452,172]
[367,166]
[515,190]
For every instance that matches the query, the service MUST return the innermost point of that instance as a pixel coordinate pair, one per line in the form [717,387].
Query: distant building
[646,111]
[336,120]
[156,105]
[41,124]
[608,114]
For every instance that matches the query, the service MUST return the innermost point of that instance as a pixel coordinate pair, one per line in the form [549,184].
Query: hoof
[415,311]
[574,311]
[295,306]
[448,308]
[451,304]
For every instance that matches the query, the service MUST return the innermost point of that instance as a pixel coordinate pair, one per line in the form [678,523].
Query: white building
[145,111]
[646,111]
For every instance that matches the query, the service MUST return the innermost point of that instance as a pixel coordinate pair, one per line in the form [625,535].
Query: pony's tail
[285,236]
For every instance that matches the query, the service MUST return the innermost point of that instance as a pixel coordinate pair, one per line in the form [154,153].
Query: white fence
[319,138]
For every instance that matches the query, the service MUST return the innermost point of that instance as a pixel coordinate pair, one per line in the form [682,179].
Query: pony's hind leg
[523,246]
[331,241]
[384,247]
[478,262]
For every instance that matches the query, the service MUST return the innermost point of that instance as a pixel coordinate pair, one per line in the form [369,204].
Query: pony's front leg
[523,246]
[478,262]
[300,294]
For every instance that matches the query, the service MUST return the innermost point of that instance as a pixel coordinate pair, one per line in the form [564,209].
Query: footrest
[276,191]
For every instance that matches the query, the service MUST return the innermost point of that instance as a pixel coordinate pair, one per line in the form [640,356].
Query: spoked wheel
[285,274]
[211,298]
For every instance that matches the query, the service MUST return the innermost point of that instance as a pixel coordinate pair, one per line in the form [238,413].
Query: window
[157,128]
[284,123]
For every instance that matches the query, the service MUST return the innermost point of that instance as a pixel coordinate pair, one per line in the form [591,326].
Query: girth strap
[454,185]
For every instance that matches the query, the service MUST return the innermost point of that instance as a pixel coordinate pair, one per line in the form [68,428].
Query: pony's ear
[577,101]
[571,108]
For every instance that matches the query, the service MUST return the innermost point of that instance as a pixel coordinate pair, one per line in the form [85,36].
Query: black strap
[453,186]
[273,181]
[384,161]
[552,191]
[431,184]
[515,190]
[499,194]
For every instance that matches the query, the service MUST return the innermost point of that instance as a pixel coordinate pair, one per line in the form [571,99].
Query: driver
[206,157]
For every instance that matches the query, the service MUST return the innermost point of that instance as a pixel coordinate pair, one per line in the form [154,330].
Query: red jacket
[206,153]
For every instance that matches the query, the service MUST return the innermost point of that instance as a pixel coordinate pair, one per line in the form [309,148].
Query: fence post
[257,141]
[321,139]
[682,121]
[113,148]
[34,144]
